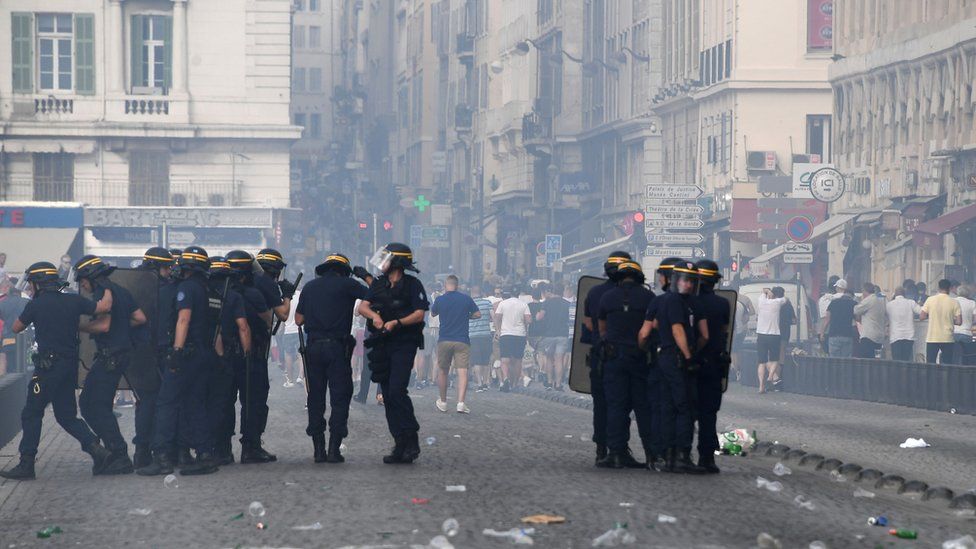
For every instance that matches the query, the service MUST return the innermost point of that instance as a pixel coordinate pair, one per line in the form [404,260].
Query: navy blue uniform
[625,369]
[55,318]
[590,310]
[675,382]
[397,302]
[251,375]
[715,311]
[183,393]
[222,392]
[113,349]
[327,305]
[269,290]
[162,327]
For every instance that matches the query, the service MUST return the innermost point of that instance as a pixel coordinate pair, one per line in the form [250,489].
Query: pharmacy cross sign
[421,203]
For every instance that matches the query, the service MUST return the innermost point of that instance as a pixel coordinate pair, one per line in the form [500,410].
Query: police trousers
[98,398]
[625,388]
[221,397]
[182,405]
[251,381]
[328,369]
[56,386]
[599,401]
[396,401]
[676,414]
[146,408]
[708,401]
[654,391]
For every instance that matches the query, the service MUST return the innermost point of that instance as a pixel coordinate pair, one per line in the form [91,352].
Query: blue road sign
[799,228]
[554,243]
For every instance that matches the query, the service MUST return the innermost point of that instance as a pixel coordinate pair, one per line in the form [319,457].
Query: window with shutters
[315,126]
[314,37]
[54,177]
[298,119]
[298,36]
[298,80]
[54,51]
[315,79]
[149,178]
[152,53]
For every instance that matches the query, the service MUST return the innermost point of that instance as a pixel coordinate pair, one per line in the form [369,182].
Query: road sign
[799,229]
[552,257]
[554,243]
[797,259]
[802,174]
[670,201]
[421,203]
[416,236]
[672,215]
[540,261]
[674,251]
[675,238]
[673,191]
[674,223]
[664,208]
[540,248]
[798,248]
[827,185]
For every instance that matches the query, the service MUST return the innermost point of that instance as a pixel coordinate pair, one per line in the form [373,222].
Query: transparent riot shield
[733,298]
[579,366]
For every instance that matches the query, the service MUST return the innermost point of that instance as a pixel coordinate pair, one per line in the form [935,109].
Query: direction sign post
[797,259]
[674,223]
[673,191]
[675,238]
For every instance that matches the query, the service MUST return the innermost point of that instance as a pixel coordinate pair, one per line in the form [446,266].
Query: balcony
[465,48]
[53,105]
[537,134]
[190,192]
[463,118]
[142,105]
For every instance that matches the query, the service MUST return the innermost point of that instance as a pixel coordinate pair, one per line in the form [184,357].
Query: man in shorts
[512,319]
[768,337]
[454,310]
[555,337]
[479,329]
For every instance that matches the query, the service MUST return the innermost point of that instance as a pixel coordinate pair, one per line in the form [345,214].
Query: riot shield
[142,372]
[579,365]
[733,298]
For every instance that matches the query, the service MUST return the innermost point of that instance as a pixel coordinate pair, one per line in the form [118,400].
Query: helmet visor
[683,282]
[382,259]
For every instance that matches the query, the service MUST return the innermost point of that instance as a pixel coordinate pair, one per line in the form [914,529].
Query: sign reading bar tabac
[178,217]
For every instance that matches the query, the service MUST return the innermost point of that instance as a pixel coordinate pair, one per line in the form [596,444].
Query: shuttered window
[22,27]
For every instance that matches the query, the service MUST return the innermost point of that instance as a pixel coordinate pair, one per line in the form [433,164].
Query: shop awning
[930,232]
[604,248]
[745,215]
[822,231]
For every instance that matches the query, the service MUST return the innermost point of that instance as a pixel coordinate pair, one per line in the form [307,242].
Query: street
[516,455]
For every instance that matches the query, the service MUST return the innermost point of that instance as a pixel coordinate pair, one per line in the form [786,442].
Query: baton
[301,352]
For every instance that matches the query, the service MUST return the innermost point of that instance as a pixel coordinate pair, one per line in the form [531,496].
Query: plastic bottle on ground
[170,481]
[803,503]
[781,470]
[965,542]
[255,509]
[440,542]
[518,536]
[862,493]
[903,533]
[450,527]
[614,537]
[767,541]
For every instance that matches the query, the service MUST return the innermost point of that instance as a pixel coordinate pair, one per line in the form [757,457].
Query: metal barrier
[13,395]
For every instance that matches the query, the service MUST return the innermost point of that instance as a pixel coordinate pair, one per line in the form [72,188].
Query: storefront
[954,235]
[39,231]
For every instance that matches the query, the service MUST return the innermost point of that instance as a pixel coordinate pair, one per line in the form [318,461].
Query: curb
[851,472]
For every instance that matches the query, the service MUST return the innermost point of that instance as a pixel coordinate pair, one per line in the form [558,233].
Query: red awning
[745,215]
[925,233]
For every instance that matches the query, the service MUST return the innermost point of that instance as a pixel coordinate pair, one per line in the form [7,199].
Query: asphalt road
[515,454]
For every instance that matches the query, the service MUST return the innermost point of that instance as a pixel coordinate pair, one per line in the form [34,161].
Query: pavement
[516,456]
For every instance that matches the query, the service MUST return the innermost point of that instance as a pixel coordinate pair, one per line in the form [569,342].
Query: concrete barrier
[13,394]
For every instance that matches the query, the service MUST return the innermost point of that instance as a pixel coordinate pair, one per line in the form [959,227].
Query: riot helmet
[684,278]
[91,267]
[194,259]
[220,268]
[334,262]
[44,276]
[613,261]
[394,256]
[156,258]
[708,272]
[664,271]
[271,261]
[630,269]
[242,263]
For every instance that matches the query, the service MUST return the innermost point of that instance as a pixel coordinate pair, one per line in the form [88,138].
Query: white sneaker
[462,408]
[526,380]
[300,381]
[288,385]
[441,405]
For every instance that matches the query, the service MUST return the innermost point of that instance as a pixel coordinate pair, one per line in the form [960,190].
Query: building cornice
[157,130]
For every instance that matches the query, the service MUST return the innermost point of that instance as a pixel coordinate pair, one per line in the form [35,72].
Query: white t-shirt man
[968,307]
[290,326]
[901,318]
[767,319]
[513,312]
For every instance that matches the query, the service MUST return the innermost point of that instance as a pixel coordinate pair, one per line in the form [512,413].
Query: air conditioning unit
[761,161]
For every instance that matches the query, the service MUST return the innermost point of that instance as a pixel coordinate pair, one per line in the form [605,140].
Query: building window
[728,58]
[54,177]
[313,5]
[152,52]
[315,126]
[298,80]
[299,120]
[314,79]
[54,37]
[149,178]
[299,5]
[314,37]
[298,36]
[818,136]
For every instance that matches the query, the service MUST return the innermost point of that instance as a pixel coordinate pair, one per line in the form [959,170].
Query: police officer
[325,310]
[713,321]
[277,293]
[251,381]
[625,366]
[55,317]
[395,306]
[159,261]
[113,341]
[233,345]
[674,320]
[182,395]
[591,335]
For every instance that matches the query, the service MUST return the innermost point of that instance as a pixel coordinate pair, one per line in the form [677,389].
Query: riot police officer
[233,345]
[674,320]
[395,306]
[325,310]
[625,365]
[161,262]
[591,335]
[55,317]
[713,313]
[277,293]
[182,395]
[113,340]
[251,381]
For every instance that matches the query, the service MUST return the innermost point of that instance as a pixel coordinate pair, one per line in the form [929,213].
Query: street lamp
[621,58]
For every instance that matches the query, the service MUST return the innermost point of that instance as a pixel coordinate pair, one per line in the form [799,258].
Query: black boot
[118,463]
[707,462]
[655,462]
[670,458]
[395,456]
[100,457]
[335,452]
[601,454]
[203,465]
[142,457]
[184,458]
[628,461]
[318,443]
[23,471]
[612,460]
[411,447]
[161,464]
[254,453]
[684,464]
[223,453]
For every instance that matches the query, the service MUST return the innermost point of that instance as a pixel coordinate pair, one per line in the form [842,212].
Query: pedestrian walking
[512,319]
[902,312]
[965,352]
[943,314]
[11,307]
[870,313]
[479,330]
[768,337]
[555,341]
[838,325]
[455,311]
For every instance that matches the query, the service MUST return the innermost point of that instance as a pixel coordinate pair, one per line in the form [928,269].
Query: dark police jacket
[394,302]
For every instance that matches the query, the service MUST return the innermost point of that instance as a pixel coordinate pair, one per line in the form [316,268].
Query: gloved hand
[287,288]
[361,273]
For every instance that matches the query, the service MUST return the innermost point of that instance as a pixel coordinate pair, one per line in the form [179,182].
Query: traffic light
[639,236]
[363,225]
[387,225]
